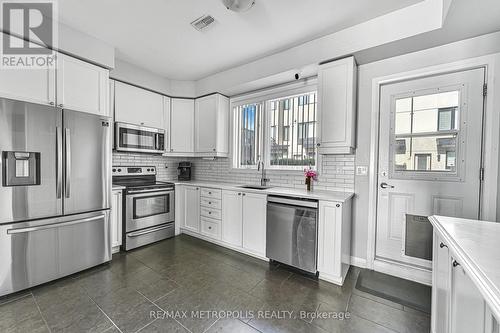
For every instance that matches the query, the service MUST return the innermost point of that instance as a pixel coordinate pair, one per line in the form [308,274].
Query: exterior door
[87,148]
[429,160]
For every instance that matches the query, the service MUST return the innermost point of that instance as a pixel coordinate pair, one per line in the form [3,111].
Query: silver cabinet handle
[385,185]
[59,166]
[53,225]
[441,245]
[60,105]
[455,263]
[68,162]
[51,103]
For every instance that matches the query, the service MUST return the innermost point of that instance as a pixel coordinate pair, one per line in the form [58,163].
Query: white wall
[130,73]
[366,73]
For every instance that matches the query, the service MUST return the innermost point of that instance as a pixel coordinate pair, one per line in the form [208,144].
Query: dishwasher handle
[293,201]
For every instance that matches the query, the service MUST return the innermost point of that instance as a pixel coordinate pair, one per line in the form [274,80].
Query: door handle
[68,162]
[385,185]
[59,168]
[53,225]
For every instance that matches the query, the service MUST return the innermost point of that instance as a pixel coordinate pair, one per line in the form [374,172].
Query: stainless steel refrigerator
[54,193]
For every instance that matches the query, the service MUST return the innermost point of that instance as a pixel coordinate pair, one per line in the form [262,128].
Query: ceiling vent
[203,22]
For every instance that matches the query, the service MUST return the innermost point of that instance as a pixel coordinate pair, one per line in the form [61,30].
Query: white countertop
[336,196]
[475,244]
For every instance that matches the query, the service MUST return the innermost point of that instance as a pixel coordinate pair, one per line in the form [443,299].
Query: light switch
[361,170]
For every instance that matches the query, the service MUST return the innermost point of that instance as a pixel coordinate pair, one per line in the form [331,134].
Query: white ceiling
[157,35]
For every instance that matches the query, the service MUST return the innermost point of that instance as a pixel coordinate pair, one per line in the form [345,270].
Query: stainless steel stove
[148,206]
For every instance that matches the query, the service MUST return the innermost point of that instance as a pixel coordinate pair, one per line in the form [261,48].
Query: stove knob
[114,170]
[119,170]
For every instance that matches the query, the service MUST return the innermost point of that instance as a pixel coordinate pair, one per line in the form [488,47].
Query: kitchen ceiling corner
[166,44]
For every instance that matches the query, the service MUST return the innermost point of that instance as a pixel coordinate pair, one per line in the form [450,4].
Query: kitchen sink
[256,187]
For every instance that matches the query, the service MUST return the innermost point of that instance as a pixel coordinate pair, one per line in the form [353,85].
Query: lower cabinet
[191,208]
[232,223]
[457,304]
[334,240]
[116,220]
[254,214]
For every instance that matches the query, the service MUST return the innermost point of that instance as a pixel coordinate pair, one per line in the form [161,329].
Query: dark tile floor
[158,289]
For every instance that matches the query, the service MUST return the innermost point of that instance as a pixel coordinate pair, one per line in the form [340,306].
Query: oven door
[148,208]
[139,139]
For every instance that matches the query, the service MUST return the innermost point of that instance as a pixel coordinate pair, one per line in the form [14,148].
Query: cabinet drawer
[211,203]
[211,193]
[211,212]
[210,227]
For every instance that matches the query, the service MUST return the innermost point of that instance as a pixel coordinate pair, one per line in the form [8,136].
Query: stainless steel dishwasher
[292,232]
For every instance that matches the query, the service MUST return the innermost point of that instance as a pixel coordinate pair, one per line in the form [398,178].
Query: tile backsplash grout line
[337,171]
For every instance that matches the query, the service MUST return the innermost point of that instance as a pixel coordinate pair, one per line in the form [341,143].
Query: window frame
[265,97]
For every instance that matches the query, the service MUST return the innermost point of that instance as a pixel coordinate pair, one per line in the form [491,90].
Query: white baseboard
[403,271]
[358,262]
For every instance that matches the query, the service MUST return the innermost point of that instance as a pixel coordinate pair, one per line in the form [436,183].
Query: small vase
[308,183]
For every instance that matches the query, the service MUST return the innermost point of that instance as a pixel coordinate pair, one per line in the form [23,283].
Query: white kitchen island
[466,276]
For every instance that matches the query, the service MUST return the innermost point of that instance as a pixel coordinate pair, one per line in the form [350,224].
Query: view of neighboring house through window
[282,132]
[426,131]
[248,132]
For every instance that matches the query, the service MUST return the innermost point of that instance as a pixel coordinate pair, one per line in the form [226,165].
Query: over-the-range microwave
[134,138]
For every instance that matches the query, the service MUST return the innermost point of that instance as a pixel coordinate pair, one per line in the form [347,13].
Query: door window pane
[426,153]
[419,144]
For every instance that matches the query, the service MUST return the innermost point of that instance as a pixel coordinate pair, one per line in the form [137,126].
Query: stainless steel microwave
[134,138]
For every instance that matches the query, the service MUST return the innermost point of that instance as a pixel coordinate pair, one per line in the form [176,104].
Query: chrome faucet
[263,179]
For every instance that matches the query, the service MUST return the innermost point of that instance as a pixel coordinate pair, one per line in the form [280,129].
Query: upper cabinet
[82,86]
[337,106]
[138,106]
[212,126]
[181,127]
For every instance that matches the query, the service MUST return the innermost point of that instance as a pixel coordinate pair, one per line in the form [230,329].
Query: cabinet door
[167,101]
[254,222]
[116,219]
[232,217]
[330,238]
[206,124]
[182,125]
[192,208]
[82,86]
[138,106]
[337,106]
[29,85]
[467,304]
[441,263]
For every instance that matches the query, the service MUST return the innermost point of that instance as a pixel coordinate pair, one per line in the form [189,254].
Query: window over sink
[278,128]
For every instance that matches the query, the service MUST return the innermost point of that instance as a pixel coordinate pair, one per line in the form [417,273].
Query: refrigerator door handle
[53,225]
[68,162]
[59,157]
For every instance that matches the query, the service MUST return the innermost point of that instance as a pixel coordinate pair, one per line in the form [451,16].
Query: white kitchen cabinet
[167,101]
[212,126]
[191,213]
[334,240]
[232,224]
[441,265]
[254,210]
[138,106]
[116,220]
[467,304]
[82,86]
[29,85]
[181,127]
[337,107]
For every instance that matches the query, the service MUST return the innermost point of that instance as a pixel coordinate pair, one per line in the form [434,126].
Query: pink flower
[311,173]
